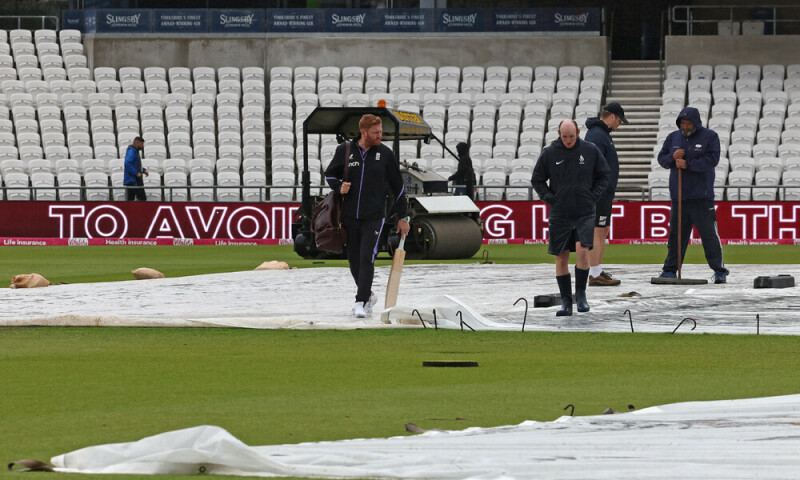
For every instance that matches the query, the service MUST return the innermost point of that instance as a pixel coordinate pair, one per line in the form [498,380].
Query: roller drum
[449,237]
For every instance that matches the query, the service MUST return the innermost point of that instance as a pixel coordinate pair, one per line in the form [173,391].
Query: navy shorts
[603,216]
[564,232]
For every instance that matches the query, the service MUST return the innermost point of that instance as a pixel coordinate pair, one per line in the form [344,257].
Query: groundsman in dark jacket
[465,175]
[691,153]
[599,132]
[570,176]
[701,153]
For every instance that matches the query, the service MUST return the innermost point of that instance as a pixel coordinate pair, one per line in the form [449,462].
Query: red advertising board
[645,222]
[147,220]
[268,223]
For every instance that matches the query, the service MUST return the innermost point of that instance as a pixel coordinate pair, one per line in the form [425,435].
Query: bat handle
[402,242]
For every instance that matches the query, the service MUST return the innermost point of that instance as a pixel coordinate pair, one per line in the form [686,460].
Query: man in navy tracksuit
[371,167]
[693,151]
[599,133]
[570,176]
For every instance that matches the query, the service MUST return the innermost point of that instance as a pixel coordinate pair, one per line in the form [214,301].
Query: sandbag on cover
[273,265]
[145,273]
[29,280]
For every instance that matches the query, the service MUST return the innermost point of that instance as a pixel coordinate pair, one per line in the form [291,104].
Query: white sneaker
[358,310]
[370,303]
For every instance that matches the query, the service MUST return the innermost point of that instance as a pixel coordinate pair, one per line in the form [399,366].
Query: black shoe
[566,308]
[580,299]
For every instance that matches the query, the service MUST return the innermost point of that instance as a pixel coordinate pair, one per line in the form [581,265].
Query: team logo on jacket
[377,156]
[580,160]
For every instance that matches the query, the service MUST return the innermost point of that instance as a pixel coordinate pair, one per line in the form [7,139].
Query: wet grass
[114,263]
[67,388]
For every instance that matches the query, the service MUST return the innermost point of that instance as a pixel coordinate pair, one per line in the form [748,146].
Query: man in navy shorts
[599,133]
[570,175]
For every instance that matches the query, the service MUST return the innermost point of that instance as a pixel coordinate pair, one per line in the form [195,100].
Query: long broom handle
[680,216]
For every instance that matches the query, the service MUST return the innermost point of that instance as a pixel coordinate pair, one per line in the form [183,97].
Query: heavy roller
[443,226]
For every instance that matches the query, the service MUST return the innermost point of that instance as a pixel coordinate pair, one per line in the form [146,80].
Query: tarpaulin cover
[729,439]
[314,298]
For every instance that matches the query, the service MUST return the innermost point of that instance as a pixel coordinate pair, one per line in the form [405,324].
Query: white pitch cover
[729,439]
[486,294]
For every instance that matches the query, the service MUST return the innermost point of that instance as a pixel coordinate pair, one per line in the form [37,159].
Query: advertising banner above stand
[180,21]
[335,20]
[236,21]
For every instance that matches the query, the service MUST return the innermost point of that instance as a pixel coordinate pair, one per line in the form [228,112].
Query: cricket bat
[393,285]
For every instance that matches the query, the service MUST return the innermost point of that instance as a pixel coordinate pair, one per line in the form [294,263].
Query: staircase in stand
[635,84]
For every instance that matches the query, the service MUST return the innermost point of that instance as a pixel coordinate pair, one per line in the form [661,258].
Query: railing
[168,192]
[482,189]
[661,52]
[692,17]
[781,190]
[610,40]
[38,21]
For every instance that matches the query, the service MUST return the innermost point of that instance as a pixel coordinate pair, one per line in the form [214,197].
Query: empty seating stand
[501,107]
[755,109]
[61,118]
[72,125]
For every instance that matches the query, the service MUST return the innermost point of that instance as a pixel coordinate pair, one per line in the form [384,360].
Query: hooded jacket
[369,174]
[598,133]
[464,175]
[577,176]
[701,155]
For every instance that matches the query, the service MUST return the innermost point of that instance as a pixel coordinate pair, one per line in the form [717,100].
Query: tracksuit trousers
[698,213]
[362,248]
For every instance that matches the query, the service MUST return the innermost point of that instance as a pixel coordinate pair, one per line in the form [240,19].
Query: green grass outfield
[113,263]
[67,388]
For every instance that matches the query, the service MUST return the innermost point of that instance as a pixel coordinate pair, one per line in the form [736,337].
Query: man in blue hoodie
[692,151]
[599,133]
